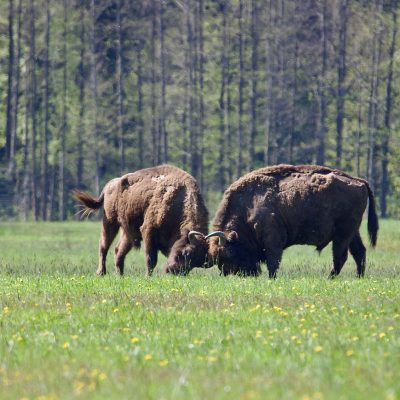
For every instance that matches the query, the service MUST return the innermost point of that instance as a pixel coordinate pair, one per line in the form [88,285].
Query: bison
[161,206]
[272,208]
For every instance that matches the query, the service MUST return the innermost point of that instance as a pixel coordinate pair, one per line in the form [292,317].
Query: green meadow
[66,333]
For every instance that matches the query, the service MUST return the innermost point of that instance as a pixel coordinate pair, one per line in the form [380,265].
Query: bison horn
[192,236]
[221,235]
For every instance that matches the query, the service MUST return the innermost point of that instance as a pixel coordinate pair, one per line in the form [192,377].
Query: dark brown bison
[272,208]
[161,206]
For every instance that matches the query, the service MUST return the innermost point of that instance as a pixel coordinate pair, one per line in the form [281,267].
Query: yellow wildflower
[102,376]
[79,386]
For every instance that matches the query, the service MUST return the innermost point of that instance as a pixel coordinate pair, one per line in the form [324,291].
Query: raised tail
[90,203]
[373,224]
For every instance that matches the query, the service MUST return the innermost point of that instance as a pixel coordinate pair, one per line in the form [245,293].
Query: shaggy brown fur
[272,208]
[158,205]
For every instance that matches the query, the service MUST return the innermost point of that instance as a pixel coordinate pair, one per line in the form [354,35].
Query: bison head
[188,252]
[232,256]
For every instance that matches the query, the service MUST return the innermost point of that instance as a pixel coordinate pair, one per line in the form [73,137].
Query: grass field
[65,333]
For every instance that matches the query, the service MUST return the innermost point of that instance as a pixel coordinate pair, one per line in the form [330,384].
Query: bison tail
[373,224]
[90,204]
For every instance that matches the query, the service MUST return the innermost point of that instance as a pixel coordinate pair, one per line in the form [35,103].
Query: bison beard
[161,206]
[272,208]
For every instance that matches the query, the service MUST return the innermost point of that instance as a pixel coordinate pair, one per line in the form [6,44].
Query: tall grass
[65,333]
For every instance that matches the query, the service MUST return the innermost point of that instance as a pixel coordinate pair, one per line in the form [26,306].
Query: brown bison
[272,208]
[161,206]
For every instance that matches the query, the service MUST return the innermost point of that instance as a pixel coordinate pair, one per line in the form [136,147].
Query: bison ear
[233,236]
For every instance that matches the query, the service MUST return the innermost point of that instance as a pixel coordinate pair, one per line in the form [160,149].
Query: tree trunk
[341,71]
[15,98]
[358,139]
[201,94]
[373,101]
[273,85]
[268,89]
[63,131]
[388,114]
[10,79]
[154,129]
[194,165]
[195,92]
[322,109]
[26,187]
[283,99]
[222,108]
[52,192]
[94,98]
[239,165]
[294,101]
[139,124]
[121,139]
[33,105]
[163,129]
[45,135]
[82,103]
[253,84]
[228,112]
[185,117]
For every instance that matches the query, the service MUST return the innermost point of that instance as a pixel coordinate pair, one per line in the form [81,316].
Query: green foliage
[288,70]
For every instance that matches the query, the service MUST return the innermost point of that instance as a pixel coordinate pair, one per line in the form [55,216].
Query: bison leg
[121,251]
[357,250]
[340,253]
[108,233]
[273,259]
[150,251]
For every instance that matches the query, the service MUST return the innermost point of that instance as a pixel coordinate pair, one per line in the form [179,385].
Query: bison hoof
[175,271]
[332,275]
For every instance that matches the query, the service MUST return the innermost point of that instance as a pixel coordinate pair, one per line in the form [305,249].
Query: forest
[94,89]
